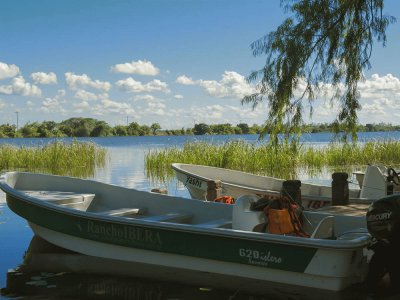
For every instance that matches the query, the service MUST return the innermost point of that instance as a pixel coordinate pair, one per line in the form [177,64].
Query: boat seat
[243,218]
[123,212]
[324,229]
[61,198]
[170,217]
[219,223]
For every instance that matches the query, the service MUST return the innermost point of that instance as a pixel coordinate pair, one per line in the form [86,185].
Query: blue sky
[175,62]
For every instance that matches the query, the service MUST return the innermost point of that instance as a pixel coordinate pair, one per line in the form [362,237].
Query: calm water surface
[125,167]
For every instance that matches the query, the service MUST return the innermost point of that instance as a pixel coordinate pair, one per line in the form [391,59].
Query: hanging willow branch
[325,42]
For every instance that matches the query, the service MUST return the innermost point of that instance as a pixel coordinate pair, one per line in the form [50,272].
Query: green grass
[285,161]
[78,159]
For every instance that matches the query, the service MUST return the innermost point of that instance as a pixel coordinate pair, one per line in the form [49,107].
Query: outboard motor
[383,218]
[383,223]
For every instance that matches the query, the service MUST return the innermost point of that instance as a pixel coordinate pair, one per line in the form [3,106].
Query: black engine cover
[383,218]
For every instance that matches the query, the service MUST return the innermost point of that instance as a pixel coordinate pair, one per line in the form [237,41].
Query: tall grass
[75,159]
[284,161]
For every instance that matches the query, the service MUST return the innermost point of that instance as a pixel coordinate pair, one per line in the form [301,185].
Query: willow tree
[322,42]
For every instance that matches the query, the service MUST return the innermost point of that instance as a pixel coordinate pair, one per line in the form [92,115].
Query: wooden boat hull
[82,227]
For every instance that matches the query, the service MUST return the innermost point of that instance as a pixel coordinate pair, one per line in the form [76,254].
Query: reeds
[284,161]
[78,159]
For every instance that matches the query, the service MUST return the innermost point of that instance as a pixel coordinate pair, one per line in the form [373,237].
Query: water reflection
[50,272]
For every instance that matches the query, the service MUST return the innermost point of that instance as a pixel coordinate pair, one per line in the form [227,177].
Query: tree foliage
[154,127]
[87,127]
[323,42]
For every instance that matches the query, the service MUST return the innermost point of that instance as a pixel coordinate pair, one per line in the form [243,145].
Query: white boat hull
[113,222]
[237,183]
[315,276]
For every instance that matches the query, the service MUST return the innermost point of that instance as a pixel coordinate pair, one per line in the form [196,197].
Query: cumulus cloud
[44,78]
[8,71]
[110,106]
[75,82]
[19,86]
[231,85]
[153,106]
[54,105]
[185,80]
[131,85]
[81,107]
[217,113]
[2,104]
[51,105]
[178,97]
[85,95]
[143,98]
[141,67]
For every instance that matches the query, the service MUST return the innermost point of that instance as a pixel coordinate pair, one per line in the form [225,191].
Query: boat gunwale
[358,242]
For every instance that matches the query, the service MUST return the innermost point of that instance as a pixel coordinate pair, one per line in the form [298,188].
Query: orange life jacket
[225,199]
[284,220]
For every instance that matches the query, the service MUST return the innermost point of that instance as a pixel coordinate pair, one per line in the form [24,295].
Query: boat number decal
[133,234]
[262,258]
[193,181]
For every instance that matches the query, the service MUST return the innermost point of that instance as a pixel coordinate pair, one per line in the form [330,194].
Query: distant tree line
[88,127]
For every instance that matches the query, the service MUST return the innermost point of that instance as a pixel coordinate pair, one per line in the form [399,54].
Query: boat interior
[110,201]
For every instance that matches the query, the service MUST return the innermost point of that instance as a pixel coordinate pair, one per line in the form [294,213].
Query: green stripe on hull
[202,245]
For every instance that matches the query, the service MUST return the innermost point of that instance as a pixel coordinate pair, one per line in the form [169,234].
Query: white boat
[373,184]
[189,236]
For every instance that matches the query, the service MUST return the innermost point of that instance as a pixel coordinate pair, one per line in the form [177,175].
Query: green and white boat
[189,236]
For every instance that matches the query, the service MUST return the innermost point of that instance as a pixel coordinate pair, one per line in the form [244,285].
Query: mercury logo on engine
[379,217]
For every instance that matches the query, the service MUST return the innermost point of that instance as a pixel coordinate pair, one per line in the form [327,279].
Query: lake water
[125,167]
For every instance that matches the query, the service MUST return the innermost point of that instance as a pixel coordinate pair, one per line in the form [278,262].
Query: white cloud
[85,95]
[51,105]
[2,104]
[19,86]
[141,67]
[6,89]
[185,80]
[214,114]
[81,107]
[110,106]
[44,78]
[8,71]
[75,82]
[107,107]
[231,85]
[143,98]
[153,107]
[54,105]
[378,98]
[156,108]
[178,97]
[131,85]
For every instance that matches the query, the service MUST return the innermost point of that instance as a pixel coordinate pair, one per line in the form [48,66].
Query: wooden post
[340,189]
[214,189]
[160,191]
